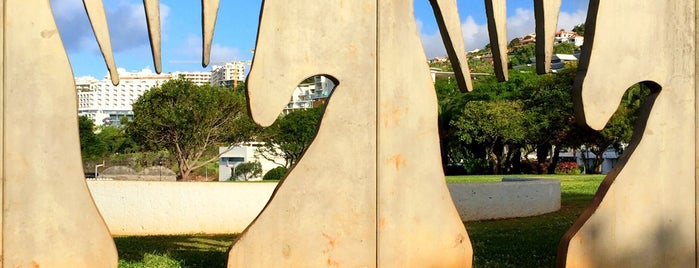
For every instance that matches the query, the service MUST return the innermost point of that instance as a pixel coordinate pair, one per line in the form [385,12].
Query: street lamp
[160,168]
[97,166]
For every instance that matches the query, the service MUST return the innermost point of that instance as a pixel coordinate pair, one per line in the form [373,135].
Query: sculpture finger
[209,11]
[98,20]
[152,8]
[449,24]
[546,15]
[497,30]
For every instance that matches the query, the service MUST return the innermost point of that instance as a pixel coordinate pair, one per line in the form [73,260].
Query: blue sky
[236,29]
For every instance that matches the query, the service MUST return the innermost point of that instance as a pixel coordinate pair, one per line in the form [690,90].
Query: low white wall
[510,198]
[167,208]
[160,208]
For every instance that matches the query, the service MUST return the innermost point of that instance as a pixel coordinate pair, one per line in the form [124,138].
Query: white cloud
[191,51]
[567,20]
[127,25]
[522,23]
[475,35]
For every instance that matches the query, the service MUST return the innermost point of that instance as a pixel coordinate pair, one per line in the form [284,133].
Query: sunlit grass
[522,242]
[530,241]
[206,251]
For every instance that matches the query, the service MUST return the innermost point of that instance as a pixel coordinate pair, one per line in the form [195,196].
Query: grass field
[522,242]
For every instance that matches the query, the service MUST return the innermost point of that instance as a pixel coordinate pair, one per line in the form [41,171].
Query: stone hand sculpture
[644,212]
[369,191]
[48,217]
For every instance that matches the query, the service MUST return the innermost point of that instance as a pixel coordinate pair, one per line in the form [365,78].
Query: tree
[246,170]
[514,43]
[90,145]
[188,120]
[289,136]
[564,48]
[451,103]
[522,55]
[548,103]
[115,140]
[493,124]
[579,29]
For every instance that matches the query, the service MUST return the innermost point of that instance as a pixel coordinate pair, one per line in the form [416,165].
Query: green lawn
[205,251]
[530,241]
[523,242]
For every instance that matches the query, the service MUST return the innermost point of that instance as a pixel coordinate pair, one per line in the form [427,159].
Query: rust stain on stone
[392,115]
[331,240]
[332,263]
[286,251]
[397,161]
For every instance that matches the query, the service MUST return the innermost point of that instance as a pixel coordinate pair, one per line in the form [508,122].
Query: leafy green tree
[514,43]
[522,55]
[579,29]
[451,103]
[275,174]
[188,120]
[548,104]
[91,146]
[116,140]
[289,136]
[564,48]
[451,106]
[494,125]
[246,171]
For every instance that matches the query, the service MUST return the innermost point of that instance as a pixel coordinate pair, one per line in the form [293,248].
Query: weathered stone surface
[98,19]
[412,193]
[644,212]
[546,14]
[378,203]
[152,8]
[209,12]
[496,11]
[48,218]
[450,28]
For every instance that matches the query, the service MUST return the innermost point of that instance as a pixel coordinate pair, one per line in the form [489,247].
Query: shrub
[568,168]
[275,174]
[246,170]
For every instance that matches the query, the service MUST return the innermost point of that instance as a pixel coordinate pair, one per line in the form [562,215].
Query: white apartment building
[105,103]
[228,75]
[309,93]
[198,78]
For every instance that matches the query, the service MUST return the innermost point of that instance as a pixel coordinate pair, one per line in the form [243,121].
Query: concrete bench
[511,198]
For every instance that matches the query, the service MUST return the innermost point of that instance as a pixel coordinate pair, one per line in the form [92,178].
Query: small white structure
[563,36]
[231,157]
[609,158]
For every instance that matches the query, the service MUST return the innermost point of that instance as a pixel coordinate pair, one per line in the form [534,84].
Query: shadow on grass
[187,250]
[530,241]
